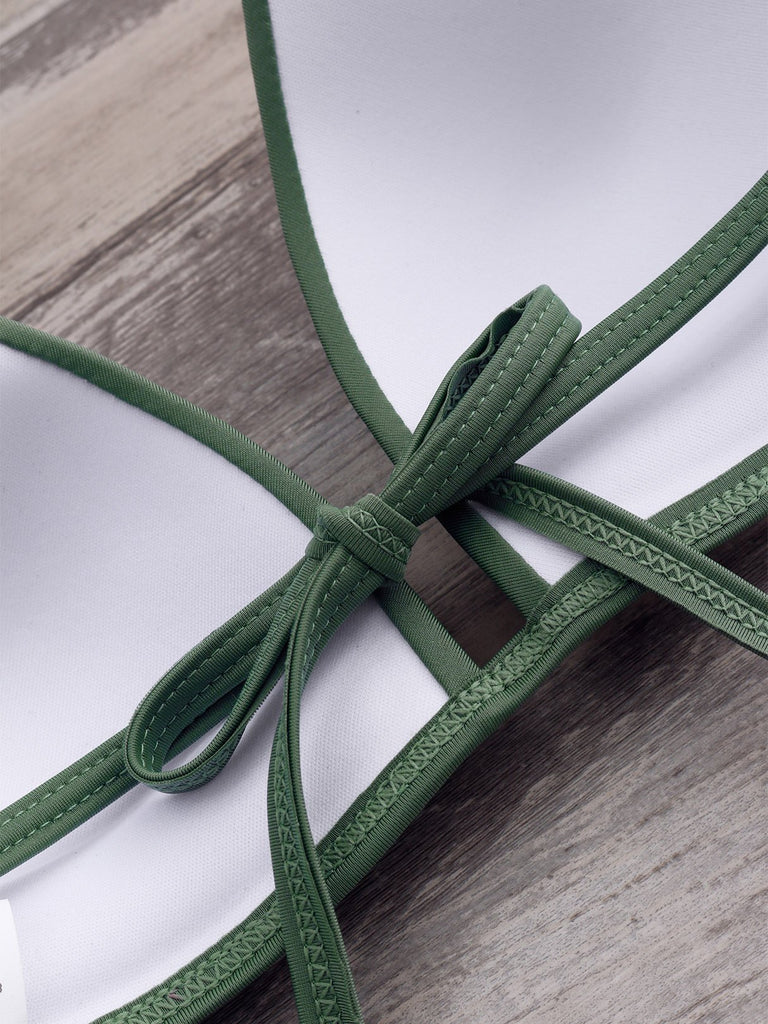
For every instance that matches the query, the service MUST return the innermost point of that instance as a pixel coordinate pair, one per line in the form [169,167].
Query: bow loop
[460,445]
[462,440]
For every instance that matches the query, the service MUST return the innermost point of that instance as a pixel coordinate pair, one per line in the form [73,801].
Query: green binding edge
[580,602]
[509,571]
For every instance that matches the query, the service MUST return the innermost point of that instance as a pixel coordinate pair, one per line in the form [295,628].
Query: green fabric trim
[518,580]
[459,443]
[624,338]
[464,439]
[204,685]
[542,387]
[444,658]
[455,448]
[362,389]
[78,792]
[164,405]
[582,601]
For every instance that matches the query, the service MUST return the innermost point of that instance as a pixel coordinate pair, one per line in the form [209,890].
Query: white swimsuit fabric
[454,156]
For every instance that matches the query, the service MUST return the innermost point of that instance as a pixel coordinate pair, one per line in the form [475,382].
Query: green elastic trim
[462,440]
[367,398]
[68,799]
[624,338]
[456,446]
[642,551]
[583,600]
[373,531]
[444,658]
[164,405]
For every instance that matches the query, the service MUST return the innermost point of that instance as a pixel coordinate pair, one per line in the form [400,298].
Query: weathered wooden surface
[602,857]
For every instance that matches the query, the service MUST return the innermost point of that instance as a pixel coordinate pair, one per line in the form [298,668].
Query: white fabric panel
[456,155]
[124,541]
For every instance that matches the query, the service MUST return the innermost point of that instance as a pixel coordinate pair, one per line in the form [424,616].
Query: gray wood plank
[66,37]
[87,148]
[600,858]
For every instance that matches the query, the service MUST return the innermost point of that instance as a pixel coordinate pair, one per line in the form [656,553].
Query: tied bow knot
[471,432]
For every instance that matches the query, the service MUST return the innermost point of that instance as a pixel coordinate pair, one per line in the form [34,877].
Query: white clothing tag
[13,1004]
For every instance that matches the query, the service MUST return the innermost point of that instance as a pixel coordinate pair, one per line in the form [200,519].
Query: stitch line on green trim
[379,534]
[525,380]
[72,779]
[57,789]
[314,949]
[61,814]
[633,341]
[224,962]
[737,500]
[733,499]
[455,715]
[318,970]
[667,284]
[474,411]
[602,584]
[315,631]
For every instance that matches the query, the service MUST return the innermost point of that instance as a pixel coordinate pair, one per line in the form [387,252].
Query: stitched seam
[585,596]
[123,771]
[734,499]
[317,967]
[212,682]
[701,530]
[634,340]
[380,535]
[318,970]
[318,973]
[313,629]
[504,444]
[63,785]
[340,850]
[667,284]
[66,810]
[465,423]
[643,551]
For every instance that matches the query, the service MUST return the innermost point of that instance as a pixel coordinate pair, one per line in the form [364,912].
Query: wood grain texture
[600,858]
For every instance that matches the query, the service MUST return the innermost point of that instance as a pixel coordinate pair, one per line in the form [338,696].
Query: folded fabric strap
[637,549]
[526,374]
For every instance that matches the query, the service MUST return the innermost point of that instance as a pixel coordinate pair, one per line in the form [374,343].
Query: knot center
[371,530]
